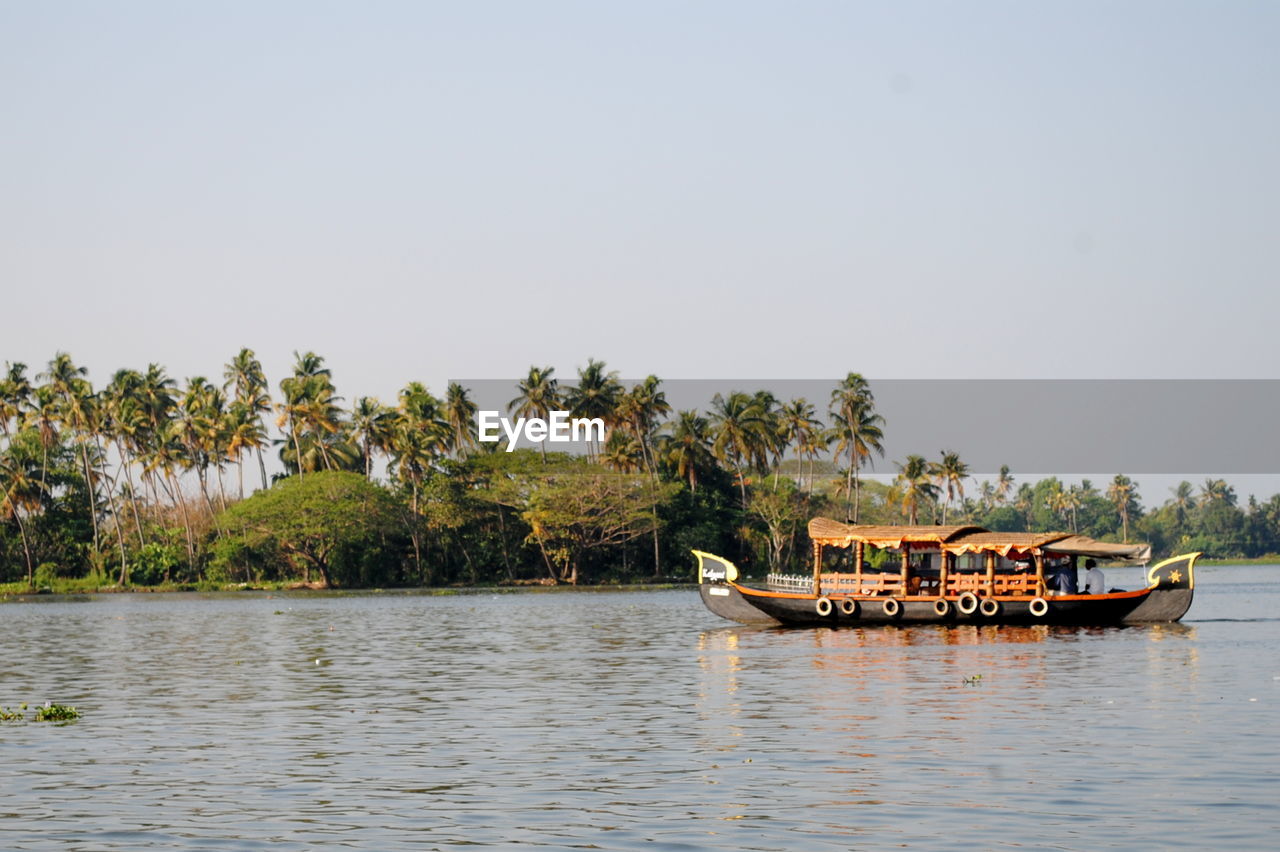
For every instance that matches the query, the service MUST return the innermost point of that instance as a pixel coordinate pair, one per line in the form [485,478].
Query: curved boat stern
[715,585]
[1172,583]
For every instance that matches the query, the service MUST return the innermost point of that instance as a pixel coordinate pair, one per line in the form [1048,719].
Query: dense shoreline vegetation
[141,483]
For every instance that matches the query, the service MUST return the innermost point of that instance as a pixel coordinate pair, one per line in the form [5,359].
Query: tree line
[142,482]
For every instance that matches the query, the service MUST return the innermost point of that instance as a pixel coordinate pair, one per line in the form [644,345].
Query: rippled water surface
[632,720]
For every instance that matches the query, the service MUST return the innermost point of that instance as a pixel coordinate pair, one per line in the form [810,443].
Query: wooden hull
[1125,608]
[727,602]
[1167,599]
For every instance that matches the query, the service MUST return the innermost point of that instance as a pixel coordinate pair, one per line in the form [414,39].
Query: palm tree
[859,432]
[413,451]
[1123,494]
[157,397]
[799,426]
[43,417]
[372,427]
[539,396]
[19,492]
[162,458]
[1217,490]
[1182,501]
[460,414]
[739,431]
[596,395]
[197,426]
[1055,500]
[1072,500]
[244,373]
[15,395]
[951,473]
[622,452]
[915,484]
[126,425]
[420,411]
[243,429]
[688,447]
[1004,484]
[75,395]
[309,410]
[639,412]
[770,445]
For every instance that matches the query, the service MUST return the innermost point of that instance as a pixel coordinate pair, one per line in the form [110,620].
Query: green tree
[741,431]
[782,511]
[322,523]
[859,432]
[951,473]
[74,396]
[596,395]
[914,485]
[245,375]
[800,427]
[372,428]
[572,515]
[20,493]
[15,396]
[539,396]
[1123,494]
[687,447]
[460,414]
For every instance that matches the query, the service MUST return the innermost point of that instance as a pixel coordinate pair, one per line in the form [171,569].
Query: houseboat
[865,575]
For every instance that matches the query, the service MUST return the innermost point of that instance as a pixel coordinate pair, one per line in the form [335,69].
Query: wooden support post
[857,567]
[942,574]
[817,568]
[1040,575]
[991,573]
[906,567]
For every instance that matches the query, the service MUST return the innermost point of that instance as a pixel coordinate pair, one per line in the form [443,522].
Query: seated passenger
[1060,577]
[1094,581]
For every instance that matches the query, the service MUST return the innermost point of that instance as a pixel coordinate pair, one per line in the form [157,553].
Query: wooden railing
[1004,584]
[891,584]
[802,583]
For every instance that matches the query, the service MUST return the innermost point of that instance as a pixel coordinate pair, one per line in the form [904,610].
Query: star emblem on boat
[1175,576]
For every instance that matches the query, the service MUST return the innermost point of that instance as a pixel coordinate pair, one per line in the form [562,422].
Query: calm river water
[632,720]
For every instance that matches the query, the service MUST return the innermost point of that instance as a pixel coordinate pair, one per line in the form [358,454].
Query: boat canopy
[828,532]
[961,539]
[1080,545]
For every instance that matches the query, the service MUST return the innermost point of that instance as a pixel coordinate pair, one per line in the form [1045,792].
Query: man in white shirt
[1094,582]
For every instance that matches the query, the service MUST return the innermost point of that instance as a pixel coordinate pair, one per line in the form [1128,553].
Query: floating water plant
[7,715]
[56,713]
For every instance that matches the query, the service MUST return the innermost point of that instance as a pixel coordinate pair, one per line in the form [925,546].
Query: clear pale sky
[699,190]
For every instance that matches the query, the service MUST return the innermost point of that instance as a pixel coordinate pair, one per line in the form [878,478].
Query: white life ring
[848,606]
[1039,607]
[823,606]
[891,607]
[989,607]
[968,603]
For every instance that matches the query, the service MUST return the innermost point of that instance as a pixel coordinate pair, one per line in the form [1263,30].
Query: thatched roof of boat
[1003,543]
[827,531]
[963,538]
[1082,545]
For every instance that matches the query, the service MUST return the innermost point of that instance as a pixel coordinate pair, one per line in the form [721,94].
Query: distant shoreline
[302,591]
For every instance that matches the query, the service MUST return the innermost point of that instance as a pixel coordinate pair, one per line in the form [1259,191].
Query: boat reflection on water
[723,638]
[932,713]
[860,686]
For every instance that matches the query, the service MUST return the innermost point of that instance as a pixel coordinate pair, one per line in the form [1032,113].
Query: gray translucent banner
[1185,427]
